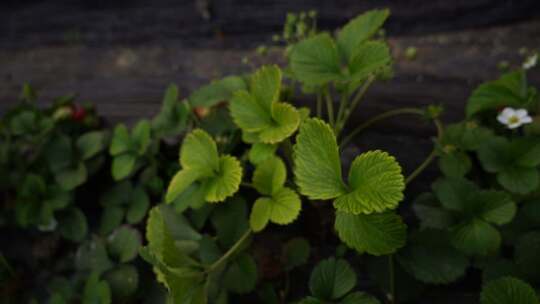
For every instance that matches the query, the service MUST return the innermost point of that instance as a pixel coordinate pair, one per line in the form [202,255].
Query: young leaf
[259,111]
[317,166]
[476,237]
[217,91]
[199,152]
[282,208]
[259,152]
[226,182]
[377,184]
[315,61]
[508,290]
[367,59]
[429,258]
[376,234]
[359,30]
[331,279]
[270,176]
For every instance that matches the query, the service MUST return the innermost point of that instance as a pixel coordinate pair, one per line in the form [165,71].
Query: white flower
[50,226]
[514,118]
[530,62]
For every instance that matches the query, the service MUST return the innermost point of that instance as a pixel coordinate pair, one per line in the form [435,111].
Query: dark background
[121,55]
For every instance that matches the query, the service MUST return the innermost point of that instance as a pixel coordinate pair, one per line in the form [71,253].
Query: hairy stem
[376,119]
[430,157]
[224,258]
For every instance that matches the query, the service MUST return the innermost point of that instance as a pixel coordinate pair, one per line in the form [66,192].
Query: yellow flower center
[513,120]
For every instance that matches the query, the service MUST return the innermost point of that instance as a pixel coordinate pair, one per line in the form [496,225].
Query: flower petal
[521,113]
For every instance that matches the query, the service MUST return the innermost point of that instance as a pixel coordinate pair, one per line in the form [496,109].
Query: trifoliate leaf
[241,276]
[431,214]
[359,298]
[430,258]
[172,118]
[91,143]
[199,152]
[527,254]
[121,141]
[282,208]
[331,279]
[123,166]
[226,182]
[124,244]
[73,225]
[259,152]
[270,176]
[317,166]
[123,280]
[296,253]
[217,91]
[508,290]
[248,114]
[315,61]
[454,193]
[476,237]
[376,234]
[359,30]
[377,184]
[509,90]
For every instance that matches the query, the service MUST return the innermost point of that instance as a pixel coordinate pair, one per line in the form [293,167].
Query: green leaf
[72,177]
[455,164]
[138,206]
[91,143]
[110,219]
[508,290]
[121,141]
[241,276]
[376,234]
[454,193]
[123,165]
[123,280]
[73,225]
[519,179]
[270,176]
[429,258]
[317,166]
[359,30]
[285,121]
[230,221]
[377,184]
[248,114]
[506,91]
[430,213]
[59,153]
[259,152]
[173,116]
[476,237]
[124,243]
[497,207]
[331,279]
[226,182]
[315,61]
[180,183]
[265,87]
[359,298]
[96,291]
[92,256]
[282,209]
[296,253]
[369,58]
[199,152]
[217,91]
[527,254]
[141,135]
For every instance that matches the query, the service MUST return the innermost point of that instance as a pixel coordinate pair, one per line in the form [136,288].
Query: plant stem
[342,105]
[224,258]
[354,103]
[392,279]
[430,157]
[329,106]
[377,118]
[288,151]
